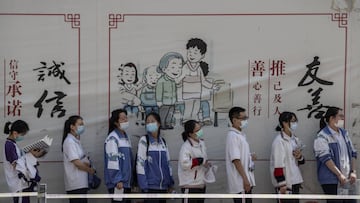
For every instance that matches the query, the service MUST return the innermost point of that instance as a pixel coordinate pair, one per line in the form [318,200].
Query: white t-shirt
[73,177]
[237,148]
[282,157]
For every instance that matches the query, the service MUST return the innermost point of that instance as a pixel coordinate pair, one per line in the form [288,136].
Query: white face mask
[340,123]
[244,124]
[293,125]
[124,126]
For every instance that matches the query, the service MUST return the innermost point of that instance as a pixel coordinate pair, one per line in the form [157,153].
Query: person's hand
[247,185]
[119,185]
[37,152]
[297,154]
[92,171]
[253,156]
[342,179]
[216,87]
[283,189]
[352,177]
[207,164]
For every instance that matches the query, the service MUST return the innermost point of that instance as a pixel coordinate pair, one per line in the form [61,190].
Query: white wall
[236,32]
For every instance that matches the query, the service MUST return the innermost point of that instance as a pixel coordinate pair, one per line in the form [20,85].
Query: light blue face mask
[152,127]
[80,129]
[20,138]
[200,134]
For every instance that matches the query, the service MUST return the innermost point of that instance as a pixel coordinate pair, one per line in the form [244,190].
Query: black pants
[331,189]
[23,199]
[76,192]
[247,200]
[151,200]
[295,189]
[193,191]
[126,191]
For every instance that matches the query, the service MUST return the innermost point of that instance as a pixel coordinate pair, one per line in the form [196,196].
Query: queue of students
[150,167]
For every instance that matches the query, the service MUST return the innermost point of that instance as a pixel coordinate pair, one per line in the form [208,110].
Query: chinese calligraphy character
[52,70]
[14,108]
[57,108]
[14,89]
[313,68]
[277,68]
[258,67]
[13,69]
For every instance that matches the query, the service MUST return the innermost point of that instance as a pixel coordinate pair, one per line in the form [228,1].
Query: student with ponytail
[76,163]
[193,161]
[153,168]
[16,180]
[118,166]
[286,156]
[335,154]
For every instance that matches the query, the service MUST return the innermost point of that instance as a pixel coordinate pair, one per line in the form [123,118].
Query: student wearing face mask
[335,154]
[76,163]
[118,155]
[154,173]
[193,161]
[285,158]
[12,155]
[239,161]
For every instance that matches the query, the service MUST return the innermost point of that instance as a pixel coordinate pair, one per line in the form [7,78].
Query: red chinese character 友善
[258,68]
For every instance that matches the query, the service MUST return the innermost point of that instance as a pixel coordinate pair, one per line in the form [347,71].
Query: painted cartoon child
[129,86]
[193,78]
[148,93]
[171,65]
[205,98]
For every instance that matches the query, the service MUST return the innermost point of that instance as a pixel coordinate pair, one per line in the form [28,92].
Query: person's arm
[112,162]
[353,175]
[332,167]
[322,153]
[239,167]
[140,164]
[83,166]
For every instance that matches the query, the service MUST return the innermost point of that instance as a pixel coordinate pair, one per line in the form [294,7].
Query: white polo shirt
[73,177]
[282,157]
[237,148]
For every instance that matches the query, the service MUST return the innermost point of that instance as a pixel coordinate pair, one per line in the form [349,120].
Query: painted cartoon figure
[129,86]
[204,113]
[171,65]
[193,79]
[148,91]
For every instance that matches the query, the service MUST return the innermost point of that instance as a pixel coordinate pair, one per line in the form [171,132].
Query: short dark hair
[235,111]
[199,43]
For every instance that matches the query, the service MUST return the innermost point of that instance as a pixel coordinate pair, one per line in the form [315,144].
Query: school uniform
[12,153]
[118,161]
[335,146]
[76,180]
[282,160]
[153,168]
[237,147]
[191,175]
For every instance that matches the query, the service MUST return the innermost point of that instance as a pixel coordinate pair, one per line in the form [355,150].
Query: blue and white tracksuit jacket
[153,165]
[118,160]
[326,148]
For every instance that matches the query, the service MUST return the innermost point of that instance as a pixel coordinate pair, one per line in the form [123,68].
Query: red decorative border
[341,18]
[74,19]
